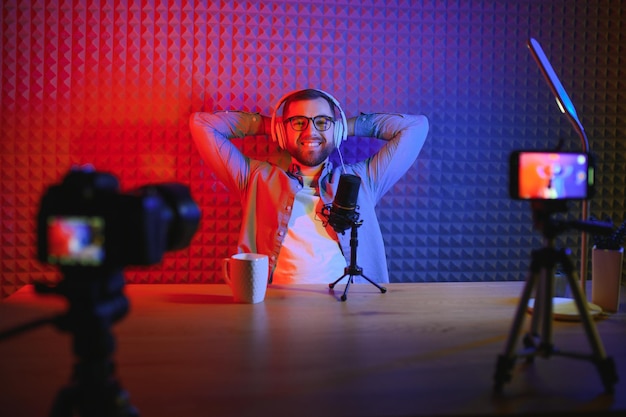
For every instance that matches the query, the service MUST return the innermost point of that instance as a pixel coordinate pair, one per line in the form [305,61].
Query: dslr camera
[87,223]
[91,231]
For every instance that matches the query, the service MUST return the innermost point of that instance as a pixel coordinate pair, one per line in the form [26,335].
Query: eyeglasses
[300,123]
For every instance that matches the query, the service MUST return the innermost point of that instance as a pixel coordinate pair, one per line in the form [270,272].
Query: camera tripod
[538,342]
[353,269]
[95,303]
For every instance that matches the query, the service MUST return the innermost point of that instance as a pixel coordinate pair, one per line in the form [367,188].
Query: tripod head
[550,228]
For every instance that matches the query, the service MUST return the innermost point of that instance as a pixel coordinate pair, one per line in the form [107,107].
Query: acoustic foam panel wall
[113,83]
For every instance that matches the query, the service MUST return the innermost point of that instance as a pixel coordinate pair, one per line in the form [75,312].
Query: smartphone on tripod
[547,175]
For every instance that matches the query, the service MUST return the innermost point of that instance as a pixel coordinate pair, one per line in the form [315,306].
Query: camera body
[550,175]
[86,222]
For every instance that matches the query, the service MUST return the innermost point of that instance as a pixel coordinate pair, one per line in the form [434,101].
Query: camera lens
[184,213]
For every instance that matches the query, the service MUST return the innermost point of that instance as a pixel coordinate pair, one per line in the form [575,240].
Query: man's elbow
[419,127]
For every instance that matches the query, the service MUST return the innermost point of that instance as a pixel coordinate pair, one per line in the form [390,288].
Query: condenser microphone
[342,213]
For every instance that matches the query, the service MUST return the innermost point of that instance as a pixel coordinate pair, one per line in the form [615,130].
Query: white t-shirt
[309,255]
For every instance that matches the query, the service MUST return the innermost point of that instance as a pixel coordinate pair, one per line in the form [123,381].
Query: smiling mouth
[311,144]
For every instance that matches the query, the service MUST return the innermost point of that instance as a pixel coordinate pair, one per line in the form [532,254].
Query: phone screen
[551,175]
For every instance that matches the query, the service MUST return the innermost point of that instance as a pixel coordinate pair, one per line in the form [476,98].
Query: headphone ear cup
[279,128]
[338,132]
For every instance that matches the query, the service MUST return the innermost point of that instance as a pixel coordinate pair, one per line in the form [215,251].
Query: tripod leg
[539,339]
[92,393]
[547,278]
[382,289]
[506,361]
[64,402]
[332,284]
[532,338]
[344,296]
[585,317]
[604,364]
[518,321]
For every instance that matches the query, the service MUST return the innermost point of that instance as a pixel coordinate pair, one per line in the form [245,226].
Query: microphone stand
[353,269]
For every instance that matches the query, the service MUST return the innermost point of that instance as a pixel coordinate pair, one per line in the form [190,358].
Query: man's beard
[311,159]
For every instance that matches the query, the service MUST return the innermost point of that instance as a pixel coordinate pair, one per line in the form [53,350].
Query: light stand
[567,107]
[353,269]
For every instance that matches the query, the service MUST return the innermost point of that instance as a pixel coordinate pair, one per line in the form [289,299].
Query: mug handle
[225,271]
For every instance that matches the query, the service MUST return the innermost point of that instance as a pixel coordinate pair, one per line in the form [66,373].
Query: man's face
[309,147]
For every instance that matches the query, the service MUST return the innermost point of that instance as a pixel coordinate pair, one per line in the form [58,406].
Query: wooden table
[419,350]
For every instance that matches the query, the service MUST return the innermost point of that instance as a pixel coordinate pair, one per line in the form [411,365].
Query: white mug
[246,274]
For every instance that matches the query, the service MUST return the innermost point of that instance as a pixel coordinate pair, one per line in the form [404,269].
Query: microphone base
[351,276]
[353,270]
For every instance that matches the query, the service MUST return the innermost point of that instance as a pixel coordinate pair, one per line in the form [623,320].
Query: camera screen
[553,176]
[76,240]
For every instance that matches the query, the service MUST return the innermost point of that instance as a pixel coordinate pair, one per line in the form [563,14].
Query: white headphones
[278,128]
